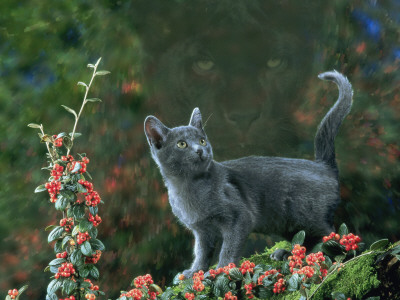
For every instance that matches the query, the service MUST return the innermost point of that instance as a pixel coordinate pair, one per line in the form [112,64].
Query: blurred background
[250,66]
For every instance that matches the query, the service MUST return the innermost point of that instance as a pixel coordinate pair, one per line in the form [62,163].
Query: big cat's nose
[199,152]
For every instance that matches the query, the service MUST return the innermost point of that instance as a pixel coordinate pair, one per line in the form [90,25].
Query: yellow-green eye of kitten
[181,144]
[203,142]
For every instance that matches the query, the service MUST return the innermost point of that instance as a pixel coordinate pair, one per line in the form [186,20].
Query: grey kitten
[229,200]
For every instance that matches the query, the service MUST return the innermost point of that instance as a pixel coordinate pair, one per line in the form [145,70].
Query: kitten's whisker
[205,123]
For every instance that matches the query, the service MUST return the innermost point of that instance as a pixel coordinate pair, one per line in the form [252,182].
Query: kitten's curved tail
[324,142]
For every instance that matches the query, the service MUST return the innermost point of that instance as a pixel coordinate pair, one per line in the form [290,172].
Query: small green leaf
[93,100]
[22,289]
[97,62]
[40,188]
[85,225]
[60,135]
[58,247]
[8,297]
[90,66]
[67,142]
[82,84]
[47,269]
[57,262]
[298,238]
[332,248]
[379,245]
[235,274]
[293,282]
[33,125]
[338,295]
[70,110]
[221,286]
[69,195]
[69,286]
[61,203]
[55,234]
[78,212]
[51,297]
[93,210]
[76,257]
[247,278]
[101,73]
[343,230]
[65,240]
[45,138]
[86,248]
[53,286]
[94,272]
[76,230]
[85,271]
[98,245]
[93,232]
[76,134]
[50,227]
[76,168]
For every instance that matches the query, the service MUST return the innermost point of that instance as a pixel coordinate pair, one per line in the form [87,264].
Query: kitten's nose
[199,152]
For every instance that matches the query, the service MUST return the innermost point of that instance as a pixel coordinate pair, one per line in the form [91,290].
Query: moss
[264,258]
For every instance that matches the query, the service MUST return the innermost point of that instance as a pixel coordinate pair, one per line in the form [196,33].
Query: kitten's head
[180,150]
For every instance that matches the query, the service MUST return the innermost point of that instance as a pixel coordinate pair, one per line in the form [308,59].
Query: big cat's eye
[203,142]
[181,144]
[203,66]
[276,63]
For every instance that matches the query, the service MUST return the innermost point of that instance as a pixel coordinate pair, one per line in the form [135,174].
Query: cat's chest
[188,203]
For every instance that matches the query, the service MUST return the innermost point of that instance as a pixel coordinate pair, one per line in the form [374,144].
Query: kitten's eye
[203,142]
[276,63]
[202,66]
[181,144]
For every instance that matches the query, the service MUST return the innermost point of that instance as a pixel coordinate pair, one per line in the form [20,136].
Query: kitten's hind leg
[205,243]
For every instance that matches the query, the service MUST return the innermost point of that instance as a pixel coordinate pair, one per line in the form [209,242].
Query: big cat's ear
[195,119]
[156,132]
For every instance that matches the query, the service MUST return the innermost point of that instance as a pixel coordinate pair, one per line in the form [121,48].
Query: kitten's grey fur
[229,200]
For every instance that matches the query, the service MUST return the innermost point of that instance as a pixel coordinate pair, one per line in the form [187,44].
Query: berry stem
[47,144]
[84,102]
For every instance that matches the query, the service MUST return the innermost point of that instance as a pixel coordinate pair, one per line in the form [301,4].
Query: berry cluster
[66,270]
[96,220]
[69,298]
[68,158]
[197,278]
[296,260]
[247,266]
[13,293]
[92,199]
[307,271]
[142,281]
[94,258]
[266,274]
[92,286]
[315,258]
[57,171]
[53,188]
[136,294]
[189,296]
[82,168]
[279,286]
[226,269]
[67,223]
[249,290]
[350,241]
[331,236]
[62,255]
[90,296]
[57,141]
[82,237]
[230,296]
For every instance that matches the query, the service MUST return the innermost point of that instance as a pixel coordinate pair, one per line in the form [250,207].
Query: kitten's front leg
[233,242]
[203,250]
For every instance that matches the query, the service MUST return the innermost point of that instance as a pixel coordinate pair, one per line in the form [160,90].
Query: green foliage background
[44,48]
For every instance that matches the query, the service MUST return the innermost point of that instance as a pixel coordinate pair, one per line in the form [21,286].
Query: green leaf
[61,203]
[69,195]
[338,295]
[40,188]
[85,225]
[8,297]
[93,232]
[76,230]
[82,84]
[90,66]
[78,212]
[65,240]
[53,286]
[235,274]
[298,238]
[69,286]
[98,245]
[340,258]
[60,135]
[33,125]
[97,62]
[85,271]
[70,110]
[76,257]
[51,297]
[45,138]
[76,134]
[332,248]
[247,278]
[343,230]
[373,298]
[76,168]
[50,227]
[22,289]
[93,100]
[55,234]
[221,286]
[93,210]
[379,245]
[86,248]
[294,282]
[57,262]
[101,73]
[58,247]
[94,272]
[47,269]
[80,188]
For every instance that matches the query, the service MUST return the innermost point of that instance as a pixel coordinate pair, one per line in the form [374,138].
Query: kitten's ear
[195,119]
[156,131]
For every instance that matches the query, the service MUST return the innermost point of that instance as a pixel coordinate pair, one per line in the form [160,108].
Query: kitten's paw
[280,254]
[188,273]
